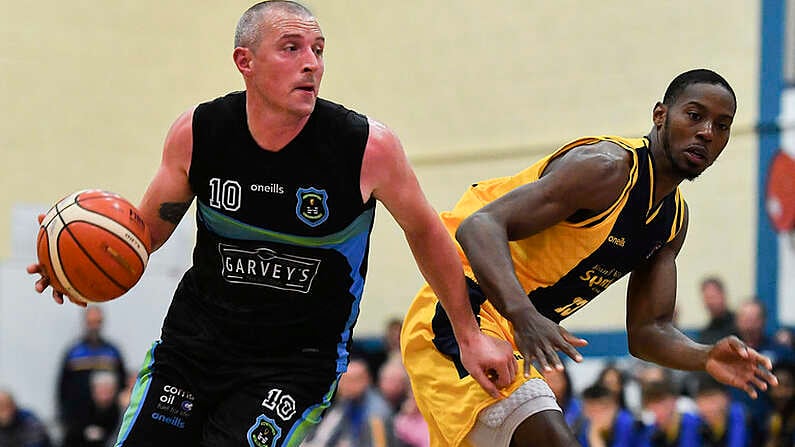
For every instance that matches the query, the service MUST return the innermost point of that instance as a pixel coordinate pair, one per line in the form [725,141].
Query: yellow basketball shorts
[448,397]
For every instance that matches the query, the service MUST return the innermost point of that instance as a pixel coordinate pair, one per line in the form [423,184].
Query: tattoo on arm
[173,211]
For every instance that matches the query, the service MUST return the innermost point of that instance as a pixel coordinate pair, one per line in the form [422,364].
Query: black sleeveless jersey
[282,239]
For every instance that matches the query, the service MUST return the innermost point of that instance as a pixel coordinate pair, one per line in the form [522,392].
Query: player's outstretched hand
[540,338]
[732,362]
[490,362]
[43,282]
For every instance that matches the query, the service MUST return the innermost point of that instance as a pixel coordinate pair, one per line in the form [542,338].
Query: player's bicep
[169,195]
[387,175]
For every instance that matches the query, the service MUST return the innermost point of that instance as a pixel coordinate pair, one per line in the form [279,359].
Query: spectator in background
[122,402]
[560,382]
[614,379]
[103,415]
[393,383]
[606,423]
[359,417]
[784,336]
[724,423]
[378,351]
[18,427]
[667,426]
[750,319]
[90,354]
[646,373]
[410,427]
[779,431]
[721,318]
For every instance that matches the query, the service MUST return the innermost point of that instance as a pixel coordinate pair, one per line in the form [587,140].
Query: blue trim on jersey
[351,242]
[128,423]
[354,250]
[771,84]
[227,227]
[310,418]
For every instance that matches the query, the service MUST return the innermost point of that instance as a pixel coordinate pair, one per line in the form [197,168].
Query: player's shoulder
[602,157]
[332,110]
[227,101]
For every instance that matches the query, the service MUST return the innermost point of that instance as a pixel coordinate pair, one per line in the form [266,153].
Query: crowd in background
[630,403]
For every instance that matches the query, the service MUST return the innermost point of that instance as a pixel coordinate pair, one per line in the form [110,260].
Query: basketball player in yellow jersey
[540,245]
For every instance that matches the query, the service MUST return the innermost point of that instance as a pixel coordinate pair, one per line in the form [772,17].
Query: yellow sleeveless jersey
[561,268]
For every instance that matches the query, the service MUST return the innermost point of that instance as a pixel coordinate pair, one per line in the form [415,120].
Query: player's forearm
[665,345]
[440,265]
[486,246]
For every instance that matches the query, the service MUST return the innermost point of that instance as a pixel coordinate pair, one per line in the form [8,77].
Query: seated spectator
[751,317]
[614,379]
[779,431]
[122,402]
[721,319]
[784,337]
[393,383]
[359,416]
[18,427]
[724,423]
[606,424]
[377,351]
[91,353]
[668,427]
[650,372]
[411,430]
[560,383]
[102,416]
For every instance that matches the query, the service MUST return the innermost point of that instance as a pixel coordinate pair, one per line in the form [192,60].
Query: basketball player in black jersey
[259,328]
[541,244]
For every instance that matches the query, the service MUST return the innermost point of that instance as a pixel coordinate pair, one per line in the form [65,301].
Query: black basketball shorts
[169,406]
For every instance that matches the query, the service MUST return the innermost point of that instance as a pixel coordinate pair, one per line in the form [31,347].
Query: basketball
[93,245]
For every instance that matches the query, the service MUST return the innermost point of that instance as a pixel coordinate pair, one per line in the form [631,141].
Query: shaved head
[248,31]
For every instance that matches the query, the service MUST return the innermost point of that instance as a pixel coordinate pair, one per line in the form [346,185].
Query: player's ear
[658,114]
[243,59]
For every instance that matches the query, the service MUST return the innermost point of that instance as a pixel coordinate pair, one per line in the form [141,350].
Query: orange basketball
[93,245]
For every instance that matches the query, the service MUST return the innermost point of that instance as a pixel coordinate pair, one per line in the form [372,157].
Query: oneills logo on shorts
[312,206]
[267,268]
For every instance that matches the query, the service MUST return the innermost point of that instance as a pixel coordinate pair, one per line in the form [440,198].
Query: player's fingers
[513,366]
[528,359]
[760,359]
[40,218]
[33,268]
[541,357]
[57,297]
[573,339]
[751,391]
[571,351]
[554,359]
[489,386]
[502,378]
[739,347]
[759,383]
[766,375]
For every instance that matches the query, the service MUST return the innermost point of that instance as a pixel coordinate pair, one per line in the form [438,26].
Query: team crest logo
[312,208]
[264,432]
